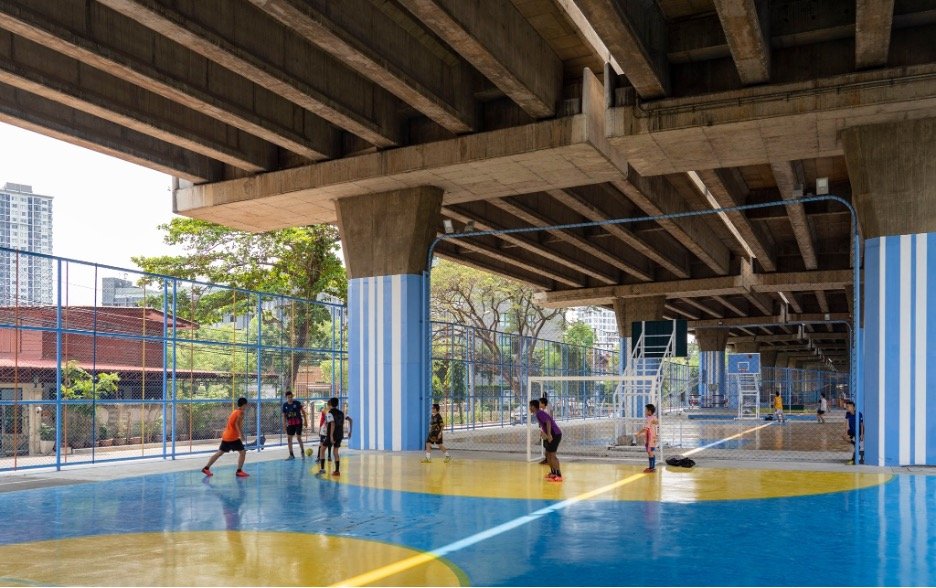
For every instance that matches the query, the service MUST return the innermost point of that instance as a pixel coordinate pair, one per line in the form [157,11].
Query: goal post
[595,413]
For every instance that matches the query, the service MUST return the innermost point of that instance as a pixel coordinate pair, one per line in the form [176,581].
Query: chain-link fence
[113,364]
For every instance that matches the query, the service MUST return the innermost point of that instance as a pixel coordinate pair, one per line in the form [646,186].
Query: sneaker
[650,471]
[242,474]
[425,460]
[555,479]
[321,472]
[291,456]
[544,462]
[447,459]
[207,472]
[549,476]
[851,462]
[336,474]
[861,461]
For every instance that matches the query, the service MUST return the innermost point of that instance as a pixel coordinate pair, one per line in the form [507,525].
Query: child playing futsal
[850,434]
[232,440]
[436,425]
[778,407]
[650,430]
[552,435]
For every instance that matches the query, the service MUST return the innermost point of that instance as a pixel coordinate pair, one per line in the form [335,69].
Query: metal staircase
[645,359]
[748,387]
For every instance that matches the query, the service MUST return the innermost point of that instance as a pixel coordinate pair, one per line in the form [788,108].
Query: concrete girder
[451,252]
[873,19]
[592,212]
[102,39]
[529,244]
[537,219]
[559,153]
[791,181]
[823,304]
[657,196]
[728,189]
[760,302]
[512,54]
[793,338]
[37,70]
[685,313]
[724,302]
[53,119]
[315,81]
[630,310]
[588,33]
[794,302]
[746,25]
[703,308]
[750,321]
[375,41]
[763,124]
[635,34]
[743,284]
[518,262]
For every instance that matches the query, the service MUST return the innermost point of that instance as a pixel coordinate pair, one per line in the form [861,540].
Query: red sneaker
[650,471]
[549,476]
[207,472]
[336,474]
[555,479]
[242,474]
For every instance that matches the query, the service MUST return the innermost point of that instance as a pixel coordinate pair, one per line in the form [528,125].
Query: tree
[579,334]
[489,302]
[298,261]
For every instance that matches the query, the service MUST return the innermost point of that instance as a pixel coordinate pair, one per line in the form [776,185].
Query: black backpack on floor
[680,461]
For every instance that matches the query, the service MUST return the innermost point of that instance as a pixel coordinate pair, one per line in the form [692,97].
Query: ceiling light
[822,186]
[448,226]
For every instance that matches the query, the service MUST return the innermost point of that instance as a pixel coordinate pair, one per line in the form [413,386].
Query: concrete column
[630,310]
[385,239]
[712,382]
[892,169]
[768,359]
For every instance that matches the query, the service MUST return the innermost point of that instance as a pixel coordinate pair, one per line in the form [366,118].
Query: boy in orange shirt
[232,440]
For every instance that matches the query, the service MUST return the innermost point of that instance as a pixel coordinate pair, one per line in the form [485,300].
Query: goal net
[597,414]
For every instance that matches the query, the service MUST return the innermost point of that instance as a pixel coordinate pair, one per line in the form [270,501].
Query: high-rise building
[118,292]
[601,320]
[25,224]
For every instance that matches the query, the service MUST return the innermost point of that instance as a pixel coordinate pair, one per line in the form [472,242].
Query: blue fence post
[175,361]
[165,366]
[58,367]
[259,351]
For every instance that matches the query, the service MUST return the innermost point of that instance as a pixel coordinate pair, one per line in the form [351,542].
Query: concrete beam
[704,308]
[530,244]
[635,34]
[656,196]
[511,54]
[791,181]
[745,284]
[105,40]
[724,302]
[757,320]
[763,124]
[290,67]
[728,189]
[457,254]
[794,302]
[518,262]
[53,119]
[561,153]
[711,339]
[387,45]
[592,212]
[746,25]
[537,219]
[873,19]
[760,302]
[672,308]
[35,69]
[388,234]
[891,168]
[791,338]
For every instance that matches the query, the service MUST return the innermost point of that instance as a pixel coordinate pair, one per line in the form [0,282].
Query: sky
[105,210]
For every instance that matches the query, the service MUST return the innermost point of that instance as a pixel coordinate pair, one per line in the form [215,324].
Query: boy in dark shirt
[436,424]
[552,435]
[294,418]
[850,418]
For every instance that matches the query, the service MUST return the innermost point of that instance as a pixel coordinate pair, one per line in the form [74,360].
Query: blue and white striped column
[899,350]
[386,367]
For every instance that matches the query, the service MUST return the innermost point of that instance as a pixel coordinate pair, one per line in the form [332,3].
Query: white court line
[422,558]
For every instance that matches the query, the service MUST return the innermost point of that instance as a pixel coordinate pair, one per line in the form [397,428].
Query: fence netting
[113,364]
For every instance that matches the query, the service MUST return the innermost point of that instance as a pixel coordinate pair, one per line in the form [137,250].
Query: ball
[309,452]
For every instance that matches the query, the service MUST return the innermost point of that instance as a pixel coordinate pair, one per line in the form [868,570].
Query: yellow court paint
[522,480]
[214,558]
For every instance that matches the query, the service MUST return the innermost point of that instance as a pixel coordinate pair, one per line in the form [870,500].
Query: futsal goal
[595,413]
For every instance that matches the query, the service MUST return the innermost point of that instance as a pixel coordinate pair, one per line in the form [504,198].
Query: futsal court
[479,520]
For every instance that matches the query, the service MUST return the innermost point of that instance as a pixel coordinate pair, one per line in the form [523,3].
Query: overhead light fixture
[822,186]
[448,226]
[469,227]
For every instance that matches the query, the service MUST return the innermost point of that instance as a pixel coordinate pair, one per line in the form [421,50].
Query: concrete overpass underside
[523,113]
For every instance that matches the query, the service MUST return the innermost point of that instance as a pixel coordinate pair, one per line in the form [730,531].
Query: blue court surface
[390,520]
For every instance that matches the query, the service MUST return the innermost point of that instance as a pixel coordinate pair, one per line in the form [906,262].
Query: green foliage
[78,384]
[579,334]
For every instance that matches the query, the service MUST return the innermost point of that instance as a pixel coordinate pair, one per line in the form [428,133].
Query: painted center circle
[216,558]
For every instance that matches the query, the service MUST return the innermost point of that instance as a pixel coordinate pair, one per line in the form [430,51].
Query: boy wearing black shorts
[232,440]
[552,435]
[436,425]
[294,418]
[334,427]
